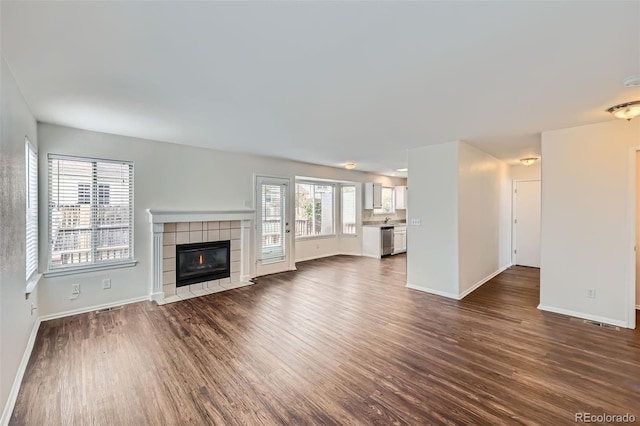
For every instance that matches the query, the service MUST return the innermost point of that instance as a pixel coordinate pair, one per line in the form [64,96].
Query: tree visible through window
[314,209]
[388,204]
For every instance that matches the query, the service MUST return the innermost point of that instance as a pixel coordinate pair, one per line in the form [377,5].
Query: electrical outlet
[33,308]
[317,246]
[591,293]
[106,283]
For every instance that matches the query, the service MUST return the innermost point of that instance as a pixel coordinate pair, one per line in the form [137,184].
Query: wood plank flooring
[341,341]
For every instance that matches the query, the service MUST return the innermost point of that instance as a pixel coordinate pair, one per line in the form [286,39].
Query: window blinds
[31,159]
[90,211]
[273,226]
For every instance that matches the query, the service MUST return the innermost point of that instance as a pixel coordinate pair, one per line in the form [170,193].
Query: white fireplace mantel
[157,219]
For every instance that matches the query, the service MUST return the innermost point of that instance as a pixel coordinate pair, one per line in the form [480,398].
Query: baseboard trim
[319,256]
[304,259]
[482,281]
[432,291]
[93,308]
[17,382]
[372,256]
[582,315]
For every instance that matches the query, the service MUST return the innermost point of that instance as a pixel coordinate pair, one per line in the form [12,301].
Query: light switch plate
[415,222]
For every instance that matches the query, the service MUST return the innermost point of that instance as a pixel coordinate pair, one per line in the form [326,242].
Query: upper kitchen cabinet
[401,197]
[372,195]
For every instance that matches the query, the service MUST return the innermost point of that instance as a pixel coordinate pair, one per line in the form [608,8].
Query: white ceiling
[325,82]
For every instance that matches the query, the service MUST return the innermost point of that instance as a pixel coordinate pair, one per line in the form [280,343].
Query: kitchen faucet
[387,219]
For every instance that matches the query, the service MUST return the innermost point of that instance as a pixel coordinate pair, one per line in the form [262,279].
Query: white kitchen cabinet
[401,197]
[372,195]
[372,240]
[399,239]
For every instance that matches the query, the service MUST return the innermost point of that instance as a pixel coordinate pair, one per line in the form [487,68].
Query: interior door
[526,227]
[273,230]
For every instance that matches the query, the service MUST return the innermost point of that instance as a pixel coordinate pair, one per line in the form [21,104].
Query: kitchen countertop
[382,224]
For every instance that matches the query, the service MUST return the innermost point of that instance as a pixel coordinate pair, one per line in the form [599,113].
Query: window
[314,209]
[31,160]
[388,205]
[348,206]
[90,212]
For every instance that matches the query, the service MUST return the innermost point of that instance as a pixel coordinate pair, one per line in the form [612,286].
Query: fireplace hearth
[200,262]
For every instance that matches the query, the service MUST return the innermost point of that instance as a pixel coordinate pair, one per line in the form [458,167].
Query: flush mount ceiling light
[350,166]
[626,111]
[632,80]
[529,160]
[402,170]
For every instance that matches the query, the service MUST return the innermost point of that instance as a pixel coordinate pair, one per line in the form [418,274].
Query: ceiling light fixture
[529,160]
[402,170]
[632,80]
[350,166]
[626,111]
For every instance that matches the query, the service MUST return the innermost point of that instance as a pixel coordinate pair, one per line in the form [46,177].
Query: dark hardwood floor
[340,341]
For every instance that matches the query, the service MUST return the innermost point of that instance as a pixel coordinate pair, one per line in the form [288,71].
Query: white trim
[93,308]
[17,382]
[482,281]
[318,256]
[632,215]
[583,315]
[432,291]
[372,256]
[32,283]
[171,216]
[89,268]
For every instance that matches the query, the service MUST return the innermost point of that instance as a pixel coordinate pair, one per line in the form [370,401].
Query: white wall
[638,230]
[432,247]
[16,321]
[587,240]
[523,172]
[463,198]
[167,176]
[482,215]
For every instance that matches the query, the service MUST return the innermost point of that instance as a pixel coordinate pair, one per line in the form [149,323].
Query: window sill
[348,235]
[89,268]
[32,283]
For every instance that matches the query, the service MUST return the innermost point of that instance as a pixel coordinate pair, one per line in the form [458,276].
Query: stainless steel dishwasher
[387,240]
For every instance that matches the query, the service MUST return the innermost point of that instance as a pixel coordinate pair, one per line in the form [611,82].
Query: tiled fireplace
[171,230]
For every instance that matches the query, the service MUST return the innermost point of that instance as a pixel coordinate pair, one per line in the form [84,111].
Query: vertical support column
[157,292]
[245,251]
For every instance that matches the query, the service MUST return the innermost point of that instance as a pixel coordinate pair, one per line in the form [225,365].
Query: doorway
[272,230]
[526,223]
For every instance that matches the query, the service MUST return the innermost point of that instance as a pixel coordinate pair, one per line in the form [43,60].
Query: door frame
[289,209]
[513,217]
[631,226]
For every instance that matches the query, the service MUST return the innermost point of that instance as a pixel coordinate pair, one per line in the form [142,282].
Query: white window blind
[31,159]
[90,212]
[273,225]
[348,206]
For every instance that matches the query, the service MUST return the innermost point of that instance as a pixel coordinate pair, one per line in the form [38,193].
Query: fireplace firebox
[199,262]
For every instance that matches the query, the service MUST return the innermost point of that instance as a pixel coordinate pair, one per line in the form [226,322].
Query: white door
[526,226]
[272,225]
